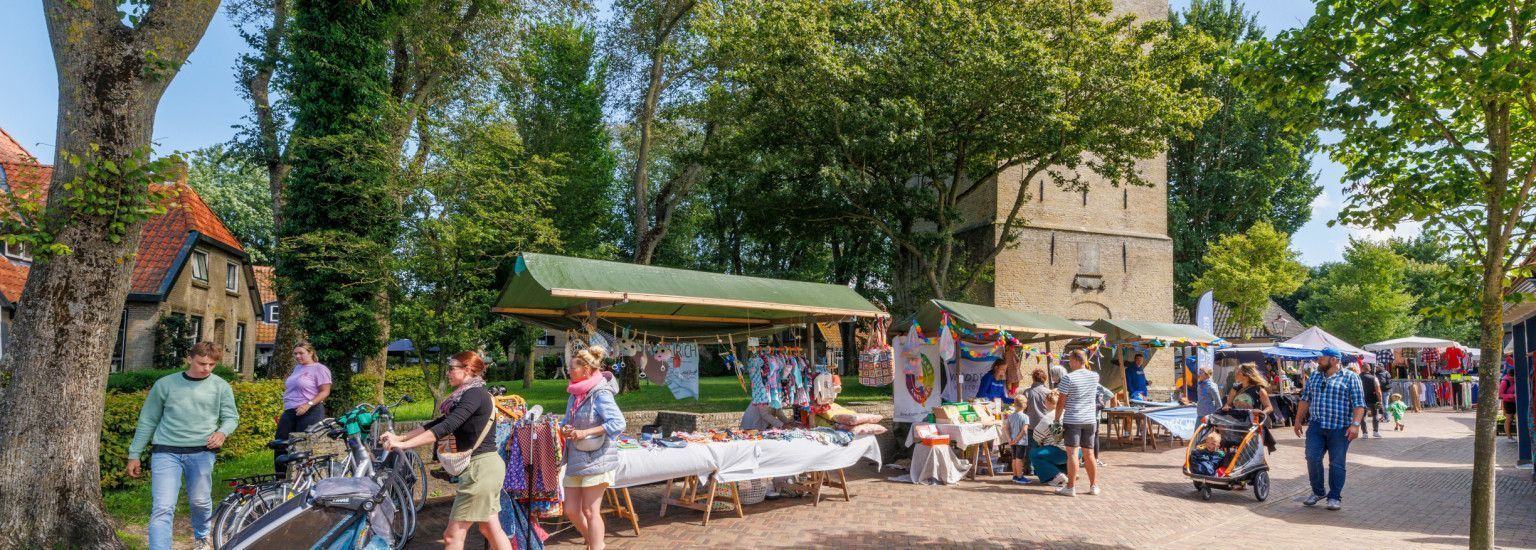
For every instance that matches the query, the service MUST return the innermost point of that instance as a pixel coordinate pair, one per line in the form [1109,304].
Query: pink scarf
[581,389]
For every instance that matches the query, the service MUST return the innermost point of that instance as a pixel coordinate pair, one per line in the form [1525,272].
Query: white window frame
[275,316]
[195,326]
[17,251]
[239,346]
[232,277]
[199,266]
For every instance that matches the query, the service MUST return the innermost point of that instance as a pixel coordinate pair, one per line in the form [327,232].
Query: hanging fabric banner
[679,363]
[1180,421]
[970,376]
[918,368]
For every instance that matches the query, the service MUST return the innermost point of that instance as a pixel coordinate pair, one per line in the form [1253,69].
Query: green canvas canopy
[559,292]
[1025,326]
[1119,331]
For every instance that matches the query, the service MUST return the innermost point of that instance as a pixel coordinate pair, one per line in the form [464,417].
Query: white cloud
[1403,230]
[1324,201]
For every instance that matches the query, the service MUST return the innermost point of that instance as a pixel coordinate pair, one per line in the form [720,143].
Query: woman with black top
[1248,394]
[465,415]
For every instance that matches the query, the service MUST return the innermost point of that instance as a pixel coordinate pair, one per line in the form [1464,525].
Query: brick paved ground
[1407,490]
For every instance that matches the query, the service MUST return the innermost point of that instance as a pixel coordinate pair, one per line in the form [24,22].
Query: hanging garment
[878,361]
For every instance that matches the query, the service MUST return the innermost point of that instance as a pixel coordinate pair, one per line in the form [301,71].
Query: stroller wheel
[1205,492]
[1261,485]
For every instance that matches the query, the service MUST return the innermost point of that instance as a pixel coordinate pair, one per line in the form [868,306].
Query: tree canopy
[1365,298]
[1248,268]
[1244,164]
[908,110]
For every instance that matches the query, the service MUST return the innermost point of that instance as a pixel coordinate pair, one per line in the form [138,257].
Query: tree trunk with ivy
[111,78]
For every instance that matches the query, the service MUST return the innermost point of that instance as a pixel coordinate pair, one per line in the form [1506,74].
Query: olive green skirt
[478,497]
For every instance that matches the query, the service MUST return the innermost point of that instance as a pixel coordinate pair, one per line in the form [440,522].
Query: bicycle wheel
[266,497]
[414,470]
[404,522]
[218,525]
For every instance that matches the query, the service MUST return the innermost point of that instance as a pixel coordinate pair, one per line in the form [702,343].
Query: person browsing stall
[185,419]
[469,414]
[1018,436]
[1328,414]
[591,424]
[1077,412]
[304,394]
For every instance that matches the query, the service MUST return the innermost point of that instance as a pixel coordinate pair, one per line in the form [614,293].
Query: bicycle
[340,513]
[410,466]
[254,496]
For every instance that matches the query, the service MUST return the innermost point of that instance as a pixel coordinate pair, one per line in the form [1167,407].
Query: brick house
[188,265]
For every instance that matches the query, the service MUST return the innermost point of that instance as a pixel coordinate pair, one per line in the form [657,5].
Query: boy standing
[185,418]
[1018,436]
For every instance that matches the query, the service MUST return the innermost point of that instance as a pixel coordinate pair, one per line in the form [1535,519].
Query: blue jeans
[167,472]
[1047,461]
[1335,444]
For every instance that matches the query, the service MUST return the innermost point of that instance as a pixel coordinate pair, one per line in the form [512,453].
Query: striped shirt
[1081,389]
[1331,400]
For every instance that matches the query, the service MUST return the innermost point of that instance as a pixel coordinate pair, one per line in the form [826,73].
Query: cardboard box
[947,414]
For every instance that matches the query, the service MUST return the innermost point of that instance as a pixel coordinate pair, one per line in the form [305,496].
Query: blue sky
[203,103]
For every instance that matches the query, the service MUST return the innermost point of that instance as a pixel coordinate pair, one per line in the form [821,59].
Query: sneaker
[1021,480]
[201,544]
[1334,504]
[1100,462]
[1376,435]
[1312,500]
[1059,481]
[1093,490]
[1066,492]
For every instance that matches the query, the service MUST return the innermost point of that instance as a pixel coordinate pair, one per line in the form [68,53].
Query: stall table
[977,440]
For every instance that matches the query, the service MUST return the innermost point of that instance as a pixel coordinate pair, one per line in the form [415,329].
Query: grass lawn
[717,394]
[130,504]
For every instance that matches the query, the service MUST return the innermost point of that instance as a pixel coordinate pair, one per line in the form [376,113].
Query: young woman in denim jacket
[592,423]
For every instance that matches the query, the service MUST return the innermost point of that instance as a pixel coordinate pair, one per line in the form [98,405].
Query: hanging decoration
[946,339]
[918,371]
[877,364]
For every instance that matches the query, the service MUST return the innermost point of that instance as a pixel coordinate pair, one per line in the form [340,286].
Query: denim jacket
[598,409]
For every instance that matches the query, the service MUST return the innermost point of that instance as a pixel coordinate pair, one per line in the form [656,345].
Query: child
[1396,408]
[1018,431]
[1207,456]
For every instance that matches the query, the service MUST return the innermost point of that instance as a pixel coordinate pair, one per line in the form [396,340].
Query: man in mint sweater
[185,419]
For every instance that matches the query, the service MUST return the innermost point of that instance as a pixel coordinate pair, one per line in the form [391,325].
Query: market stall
[940,377]
[1125,335]
[657,314]
[1427,372]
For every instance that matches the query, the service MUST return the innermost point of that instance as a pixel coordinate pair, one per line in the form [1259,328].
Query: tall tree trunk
[273,155]
[376,365]
[528,371]
[1491,322]
[51,414]
[645,251]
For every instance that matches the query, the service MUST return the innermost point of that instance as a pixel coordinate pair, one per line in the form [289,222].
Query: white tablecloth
[642,466]
[786,458]
[963,435]
[740,460]
[935,466]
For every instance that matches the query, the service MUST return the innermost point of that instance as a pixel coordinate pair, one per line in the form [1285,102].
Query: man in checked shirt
[1332,404]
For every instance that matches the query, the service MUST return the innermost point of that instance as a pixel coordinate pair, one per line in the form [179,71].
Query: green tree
[236,190]
[1433,102]
[908,110]
[339,220]
[114,61]
[559,108]
[1249,268]
[1440,282]
[1365,299]
[482,198]
[1245,163]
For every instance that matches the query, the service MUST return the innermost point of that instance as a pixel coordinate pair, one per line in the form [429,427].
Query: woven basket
[754,491]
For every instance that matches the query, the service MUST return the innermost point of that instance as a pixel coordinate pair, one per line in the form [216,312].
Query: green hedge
[260,402]
[135,380]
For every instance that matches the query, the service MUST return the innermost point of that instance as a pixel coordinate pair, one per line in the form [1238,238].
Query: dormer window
[17,251]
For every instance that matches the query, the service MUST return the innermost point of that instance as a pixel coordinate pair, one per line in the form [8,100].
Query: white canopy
[1410,342]
[1315,338]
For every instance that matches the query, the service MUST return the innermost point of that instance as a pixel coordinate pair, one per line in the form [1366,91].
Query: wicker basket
[754,491]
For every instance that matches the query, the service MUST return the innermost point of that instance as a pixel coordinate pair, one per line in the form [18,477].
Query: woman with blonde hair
[1250,393]
[469,414]
[592,422]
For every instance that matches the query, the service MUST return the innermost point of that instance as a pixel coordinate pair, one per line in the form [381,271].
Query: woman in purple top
[304,396]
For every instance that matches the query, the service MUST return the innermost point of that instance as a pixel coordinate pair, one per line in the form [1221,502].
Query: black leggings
[291,421]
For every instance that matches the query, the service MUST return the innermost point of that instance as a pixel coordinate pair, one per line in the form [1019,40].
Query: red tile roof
[266,333]
[264,281]
[12,278]
[163,236]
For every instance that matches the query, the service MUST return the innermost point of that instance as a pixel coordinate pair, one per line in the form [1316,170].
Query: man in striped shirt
[1331,406]
[1077,411]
